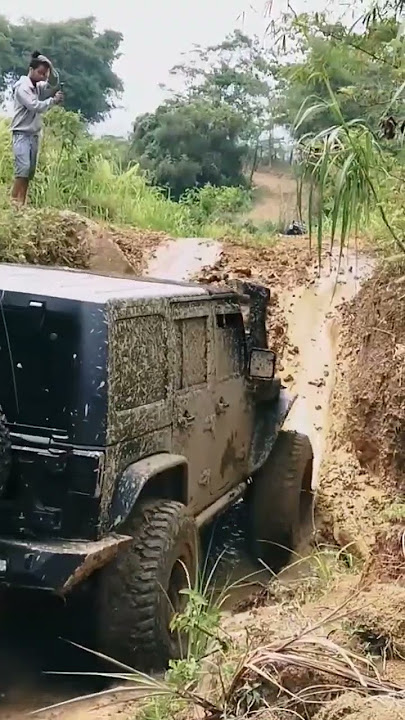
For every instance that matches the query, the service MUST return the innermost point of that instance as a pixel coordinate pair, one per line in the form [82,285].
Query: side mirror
[262,364]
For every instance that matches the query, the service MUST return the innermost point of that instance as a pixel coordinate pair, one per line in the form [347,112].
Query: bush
[215,203]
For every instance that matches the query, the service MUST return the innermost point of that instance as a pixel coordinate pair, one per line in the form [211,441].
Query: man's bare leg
[19,191]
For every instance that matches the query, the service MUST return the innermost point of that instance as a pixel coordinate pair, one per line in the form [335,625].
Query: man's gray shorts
[25,149]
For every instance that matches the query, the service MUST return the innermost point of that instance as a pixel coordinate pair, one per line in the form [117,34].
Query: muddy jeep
[135,411]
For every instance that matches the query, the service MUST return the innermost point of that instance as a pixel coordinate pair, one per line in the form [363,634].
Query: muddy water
[310,313]
[312,329]
[183,258]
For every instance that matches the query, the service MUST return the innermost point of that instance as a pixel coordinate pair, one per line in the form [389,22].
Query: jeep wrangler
[135,411]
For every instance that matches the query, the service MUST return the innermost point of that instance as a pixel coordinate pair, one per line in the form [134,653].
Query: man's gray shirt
[30,101]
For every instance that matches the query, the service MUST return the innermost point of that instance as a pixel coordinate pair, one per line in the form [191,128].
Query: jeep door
[193,397]
[233,402]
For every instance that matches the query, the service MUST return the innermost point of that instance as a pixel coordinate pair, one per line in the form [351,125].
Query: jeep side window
[191,352]
[230,345]
[141,361]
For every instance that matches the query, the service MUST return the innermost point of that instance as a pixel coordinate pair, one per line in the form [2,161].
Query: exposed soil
[386,561]
[375,322]
[361,475]
[352,706]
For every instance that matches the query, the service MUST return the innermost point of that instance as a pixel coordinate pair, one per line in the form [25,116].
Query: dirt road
[308,370]
[276,198]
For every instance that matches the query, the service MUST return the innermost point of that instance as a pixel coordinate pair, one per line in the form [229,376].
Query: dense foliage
[84,174]
[209,130]
[351,122]
[83,57]
[189,144]
[362,64]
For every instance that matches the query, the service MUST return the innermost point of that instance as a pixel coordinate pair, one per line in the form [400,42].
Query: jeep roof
[85,286]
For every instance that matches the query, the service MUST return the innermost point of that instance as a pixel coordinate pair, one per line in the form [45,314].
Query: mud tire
[281,499]
[133,607]
[5,453]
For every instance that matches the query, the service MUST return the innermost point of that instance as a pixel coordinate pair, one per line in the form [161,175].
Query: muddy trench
[29,643]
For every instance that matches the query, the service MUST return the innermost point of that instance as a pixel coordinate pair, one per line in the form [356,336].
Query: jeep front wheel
[280,499]
[139,592]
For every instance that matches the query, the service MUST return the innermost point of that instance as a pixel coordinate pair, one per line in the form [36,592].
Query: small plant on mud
[395,512]
[199,622]
[314,573]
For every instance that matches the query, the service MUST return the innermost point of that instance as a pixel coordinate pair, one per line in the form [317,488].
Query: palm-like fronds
[346,168]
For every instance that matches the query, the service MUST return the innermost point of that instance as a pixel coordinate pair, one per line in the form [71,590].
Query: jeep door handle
[221,406]
[185,420]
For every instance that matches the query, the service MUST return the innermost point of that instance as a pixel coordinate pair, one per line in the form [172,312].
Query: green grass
[78,173]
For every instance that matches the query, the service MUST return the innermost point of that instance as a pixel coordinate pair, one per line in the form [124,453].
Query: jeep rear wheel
[140,591]
[5,453]
[280,500]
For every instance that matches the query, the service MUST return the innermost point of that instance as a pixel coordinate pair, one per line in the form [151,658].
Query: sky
[156,33]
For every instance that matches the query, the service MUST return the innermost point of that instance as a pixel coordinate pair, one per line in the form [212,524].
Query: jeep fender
[269,419]
[137,475]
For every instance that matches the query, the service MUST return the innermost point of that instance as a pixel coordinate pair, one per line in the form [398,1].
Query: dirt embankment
[52,237]
[375,322]
[363,473]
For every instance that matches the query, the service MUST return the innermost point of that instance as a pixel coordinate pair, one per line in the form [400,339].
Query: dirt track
[276,198]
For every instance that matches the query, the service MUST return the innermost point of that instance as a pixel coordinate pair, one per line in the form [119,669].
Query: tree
[189,144]
[360,66]
[240,73]
[237,72]
[206,131]
[83,57]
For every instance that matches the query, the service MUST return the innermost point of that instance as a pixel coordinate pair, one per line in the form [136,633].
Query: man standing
[32,96]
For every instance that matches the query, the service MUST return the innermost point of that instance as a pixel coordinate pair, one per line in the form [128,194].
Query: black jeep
[134,412]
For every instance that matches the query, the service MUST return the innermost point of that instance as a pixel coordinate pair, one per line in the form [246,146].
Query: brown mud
[362,475]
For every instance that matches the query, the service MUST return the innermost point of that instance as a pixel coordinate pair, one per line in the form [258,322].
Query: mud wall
[375,323]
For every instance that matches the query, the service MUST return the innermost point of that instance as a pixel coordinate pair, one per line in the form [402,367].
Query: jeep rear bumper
[54,565]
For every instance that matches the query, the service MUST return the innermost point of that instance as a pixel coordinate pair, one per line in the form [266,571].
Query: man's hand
[59,97]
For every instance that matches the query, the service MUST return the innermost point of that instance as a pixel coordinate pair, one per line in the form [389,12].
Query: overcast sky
[156,32]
